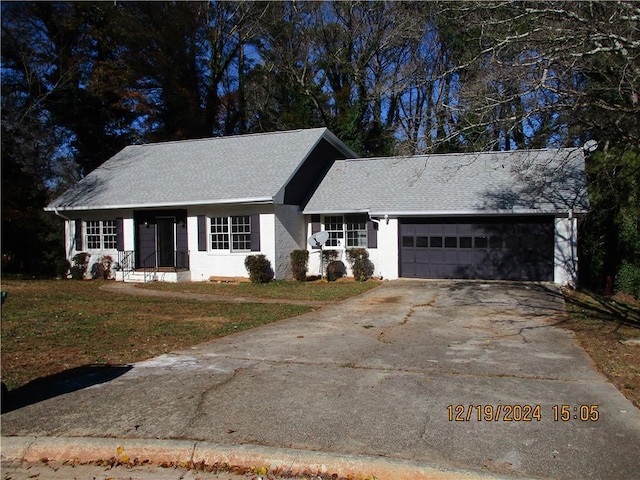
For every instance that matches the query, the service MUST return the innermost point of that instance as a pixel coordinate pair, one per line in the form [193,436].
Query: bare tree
[545,73]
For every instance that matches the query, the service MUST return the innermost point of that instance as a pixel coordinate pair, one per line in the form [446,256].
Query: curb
[282,460]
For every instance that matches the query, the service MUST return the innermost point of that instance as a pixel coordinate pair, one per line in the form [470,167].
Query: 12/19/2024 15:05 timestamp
[521,413]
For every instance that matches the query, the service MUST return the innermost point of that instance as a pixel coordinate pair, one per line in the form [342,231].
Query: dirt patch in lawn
[600,324]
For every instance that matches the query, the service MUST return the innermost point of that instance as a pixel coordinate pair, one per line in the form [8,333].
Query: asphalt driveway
[467,375]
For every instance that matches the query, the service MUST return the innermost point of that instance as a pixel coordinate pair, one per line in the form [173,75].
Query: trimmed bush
[299,264]
[80,265]
[259,268]
[333,269]
[361,266]
[102,268]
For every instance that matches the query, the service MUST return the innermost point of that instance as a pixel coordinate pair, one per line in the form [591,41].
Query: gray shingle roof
[524,181]
[246,168]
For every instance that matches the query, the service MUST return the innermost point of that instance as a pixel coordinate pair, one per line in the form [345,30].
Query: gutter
[186,203]
[55,210]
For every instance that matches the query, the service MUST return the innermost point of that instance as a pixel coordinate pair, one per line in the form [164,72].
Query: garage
[492,248]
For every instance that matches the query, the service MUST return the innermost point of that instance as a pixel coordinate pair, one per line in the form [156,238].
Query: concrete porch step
[159,276]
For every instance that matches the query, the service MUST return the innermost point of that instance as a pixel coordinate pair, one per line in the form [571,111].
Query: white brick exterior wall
[384,258]
[565,253]
[224,263]
[289,236]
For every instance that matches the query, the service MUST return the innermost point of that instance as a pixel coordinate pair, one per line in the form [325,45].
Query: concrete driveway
[380,375]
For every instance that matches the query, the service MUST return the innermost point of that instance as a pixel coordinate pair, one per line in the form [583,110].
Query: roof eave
[450,213]
[475,213]
[229,201]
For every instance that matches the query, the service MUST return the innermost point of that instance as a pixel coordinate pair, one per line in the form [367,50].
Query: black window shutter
[255,232]
[316,226]
[120,234]
[78,235]
[202,233]
[315,223]
[372,234]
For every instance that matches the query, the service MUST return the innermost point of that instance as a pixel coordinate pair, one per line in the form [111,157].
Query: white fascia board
[339,144]
[333,212]
[464,213]
[230,201]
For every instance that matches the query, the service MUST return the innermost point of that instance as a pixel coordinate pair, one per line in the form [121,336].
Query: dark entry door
[166,245]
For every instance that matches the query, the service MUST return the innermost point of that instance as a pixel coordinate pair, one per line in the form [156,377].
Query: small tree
[259,268]
[299,264]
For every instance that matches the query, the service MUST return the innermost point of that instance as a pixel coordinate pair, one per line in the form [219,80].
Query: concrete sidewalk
[392,378]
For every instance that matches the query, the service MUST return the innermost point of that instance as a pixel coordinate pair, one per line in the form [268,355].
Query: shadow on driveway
[60,383]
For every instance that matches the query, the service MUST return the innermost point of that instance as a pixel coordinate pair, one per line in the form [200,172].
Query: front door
[166,241]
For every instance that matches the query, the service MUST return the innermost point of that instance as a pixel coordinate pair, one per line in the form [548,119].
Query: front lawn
[51,326]
[315,291]
[600,324]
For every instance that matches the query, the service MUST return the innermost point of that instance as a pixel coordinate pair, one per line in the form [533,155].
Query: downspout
[377,222]
[574,250]
[55,210]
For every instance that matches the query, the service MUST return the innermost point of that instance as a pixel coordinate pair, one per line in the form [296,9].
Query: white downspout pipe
[55,210]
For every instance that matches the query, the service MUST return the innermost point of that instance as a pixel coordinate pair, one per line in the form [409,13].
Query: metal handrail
[149,270]
[126,262]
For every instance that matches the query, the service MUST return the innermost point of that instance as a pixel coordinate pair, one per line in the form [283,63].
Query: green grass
[314,291]
[52,326]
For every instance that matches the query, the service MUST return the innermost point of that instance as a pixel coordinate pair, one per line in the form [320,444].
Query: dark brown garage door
[513,248]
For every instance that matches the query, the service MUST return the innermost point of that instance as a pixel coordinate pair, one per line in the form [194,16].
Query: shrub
[102,268]
[335,270]
[332,267]
[299,264]
[62,267]
[628,279]
[80,265]
[259,268]
[360,264]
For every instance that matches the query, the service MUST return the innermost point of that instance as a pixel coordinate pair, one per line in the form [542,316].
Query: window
[407,241]
[450,242]
[234,232]
[356,230]
[241,233]
[466,242]
[351,229]
[101,234]
[219,233]
[334,225]
[435,242]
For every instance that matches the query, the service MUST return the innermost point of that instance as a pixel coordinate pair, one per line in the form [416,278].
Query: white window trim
[101,235]
[345,232]
[228,234]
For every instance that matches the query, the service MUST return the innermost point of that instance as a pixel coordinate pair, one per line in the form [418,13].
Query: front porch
[148,270]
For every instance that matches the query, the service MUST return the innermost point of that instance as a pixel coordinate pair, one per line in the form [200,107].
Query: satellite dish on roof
[318,239]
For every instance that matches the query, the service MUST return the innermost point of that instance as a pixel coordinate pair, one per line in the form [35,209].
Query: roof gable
[522,181]
[237,169]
